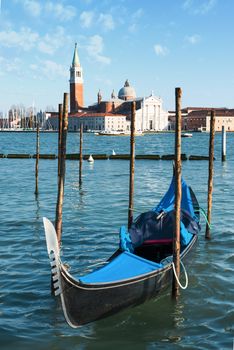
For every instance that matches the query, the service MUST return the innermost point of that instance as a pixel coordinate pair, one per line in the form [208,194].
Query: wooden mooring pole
[211,171]
[178,195]
[60,128]
[223,144]
[60,195]
[81,154]
[37,160]
[132,165]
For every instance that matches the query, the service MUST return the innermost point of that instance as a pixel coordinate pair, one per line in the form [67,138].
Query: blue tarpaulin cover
[124,266]
[167,202]
[158,223]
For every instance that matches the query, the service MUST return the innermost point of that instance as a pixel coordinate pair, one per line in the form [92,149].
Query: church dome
[127,92]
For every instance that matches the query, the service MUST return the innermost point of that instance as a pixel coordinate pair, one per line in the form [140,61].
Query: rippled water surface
[31,319]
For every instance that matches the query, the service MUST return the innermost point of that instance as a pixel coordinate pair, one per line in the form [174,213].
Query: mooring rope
[177,279]
[202,211]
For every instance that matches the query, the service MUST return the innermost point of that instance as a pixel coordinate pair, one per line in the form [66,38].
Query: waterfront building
[92,121]
[113,113]
[98,121]
[198,119]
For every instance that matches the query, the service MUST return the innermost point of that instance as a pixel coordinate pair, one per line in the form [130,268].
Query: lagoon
[29,317]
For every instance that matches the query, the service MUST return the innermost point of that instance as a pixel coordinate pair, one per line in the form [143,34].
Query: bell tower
[76,83]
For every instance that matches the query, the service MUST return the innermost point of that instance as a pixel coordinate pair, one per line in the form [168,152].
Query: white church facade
[151,115]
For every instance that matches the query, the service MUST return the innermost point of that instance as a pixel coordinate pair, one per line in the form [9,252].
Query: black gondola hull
[84,303]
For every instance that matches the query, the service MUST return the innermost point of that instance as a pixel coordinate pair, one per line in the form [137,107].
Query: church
[113,114]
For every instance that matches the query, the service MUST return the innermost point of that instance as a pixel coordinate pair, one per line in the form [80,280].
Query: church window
[78,74]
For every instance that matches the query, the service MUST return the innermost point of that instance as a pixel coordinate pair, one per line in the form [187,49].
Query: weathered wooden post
[132,165]
[178,195]
[59,207]
[60,128]
[211,171]
[223,144]
[81,154]
[37,159]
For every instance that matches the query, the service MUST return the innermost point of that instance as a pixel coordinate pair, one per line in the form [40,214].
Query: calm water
[31,319]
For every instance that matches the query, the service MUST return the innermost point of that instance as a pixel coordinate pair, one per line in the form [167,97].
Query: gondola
[140,269]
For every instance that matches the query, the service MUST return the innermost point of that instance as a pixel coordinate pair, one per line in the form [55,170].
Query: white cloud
[52,69]
[9,65]
[132,28]
[193,39]
[138,14]
[46,47]
[86,19]
[25,38]
[106,21]
[50,8]
[50,43]
[32,7]
[187,4]
[49,69]
[134,20]
[161,50]
[60,11]
[207,6]
[13,65]
[200,8]
[95,49]
[33,66]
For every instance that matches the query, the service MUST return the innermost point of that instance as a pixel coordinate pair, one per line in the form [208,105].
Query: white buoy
[113,153]
[90,159]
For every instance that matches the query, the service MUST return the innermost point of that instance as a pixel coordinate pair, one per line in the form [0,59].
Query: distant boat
[90,159]
[90,131]
[202,129]
[186,134]
[118,133]
[113,153]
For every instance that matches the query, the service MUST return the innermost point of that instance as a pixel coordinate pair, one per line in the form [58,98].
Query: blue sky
[157,44]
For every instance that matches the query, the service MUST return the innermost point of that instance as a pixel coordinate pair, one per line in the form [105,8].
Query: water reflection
[155,321]
[37,211]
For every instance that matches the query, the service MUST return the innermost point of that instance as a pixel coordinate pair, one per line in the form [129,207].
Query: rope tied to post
[202,211]
[177,279]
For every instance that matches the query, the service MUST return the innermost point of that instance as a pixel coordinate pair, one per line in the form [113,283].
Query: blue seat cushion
[126,265]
